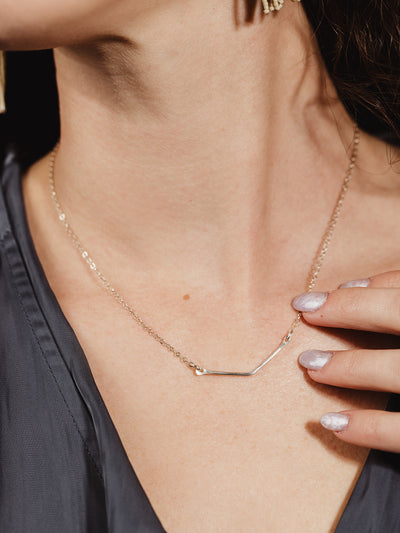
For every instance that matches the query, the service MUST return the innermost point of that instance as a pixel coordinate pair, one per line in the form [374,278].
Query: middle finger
[377,370]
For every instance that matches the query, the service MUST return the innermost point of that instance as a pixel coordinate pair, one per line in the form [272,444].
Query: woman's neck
[195,140]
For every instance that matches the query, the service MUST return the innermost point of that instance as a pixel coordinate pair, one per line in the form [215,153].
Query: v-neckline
[50,306]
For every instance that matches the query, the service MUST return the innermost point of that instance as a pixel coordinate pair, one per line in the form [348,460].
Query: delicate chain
[327,236]
[314,271]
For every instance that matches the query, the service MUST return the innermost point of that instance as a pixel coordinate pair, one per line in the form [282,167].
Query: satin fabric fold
[63,468]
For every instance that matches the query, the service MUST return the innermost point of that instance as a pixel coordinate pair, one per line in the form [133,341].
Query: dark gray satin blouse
[63,468]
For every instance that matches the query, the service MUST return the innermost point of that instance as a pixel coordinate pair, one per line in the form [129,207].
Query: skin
[218,148]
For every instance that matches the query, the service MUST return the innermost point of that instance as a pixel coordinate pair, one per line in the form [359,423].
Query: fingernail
[314,359]
[335,421]
[364,282]
[310,301]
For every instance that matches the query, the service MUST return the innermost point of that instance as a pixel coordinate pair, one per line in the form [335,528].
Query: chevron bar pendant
[204,371]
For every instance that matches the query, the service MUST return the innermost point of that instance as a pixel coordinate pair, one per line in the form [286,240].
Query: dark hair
[359,41]
[31,122]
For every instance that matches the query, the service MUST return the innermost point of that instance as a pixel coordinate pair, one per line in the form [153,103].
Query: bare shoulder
[36,172]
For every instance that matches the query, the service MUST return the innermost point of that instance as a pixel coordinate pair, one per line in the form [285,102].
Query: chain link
[312,279]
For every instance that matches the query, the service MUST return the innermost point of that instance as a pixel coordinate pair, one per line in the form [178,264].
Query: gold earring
[273,5]
[2,82]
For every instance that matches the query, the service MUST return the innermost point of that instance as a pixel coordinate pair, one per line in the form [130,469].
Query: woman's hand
[367,304]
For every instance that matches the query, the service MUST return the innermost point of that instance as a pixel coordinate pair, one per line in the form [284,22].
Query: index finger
[369,309]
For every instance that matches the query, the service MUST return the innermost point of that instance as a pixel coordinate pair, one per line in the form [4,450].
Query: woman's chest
[227,453]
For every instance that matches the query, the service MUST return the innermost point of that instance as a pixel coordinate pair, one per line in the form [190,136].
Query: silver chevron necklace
[199,370]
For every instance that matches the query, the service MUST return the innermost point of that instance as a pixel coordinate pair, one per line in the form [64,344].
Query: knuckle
[372,429]
[394,369]
[388,279]
[397,311]
[352,366]
[347,305]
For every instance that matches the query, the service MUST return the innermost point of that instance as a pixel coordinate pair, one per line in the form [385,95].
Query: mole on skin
[186,297]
